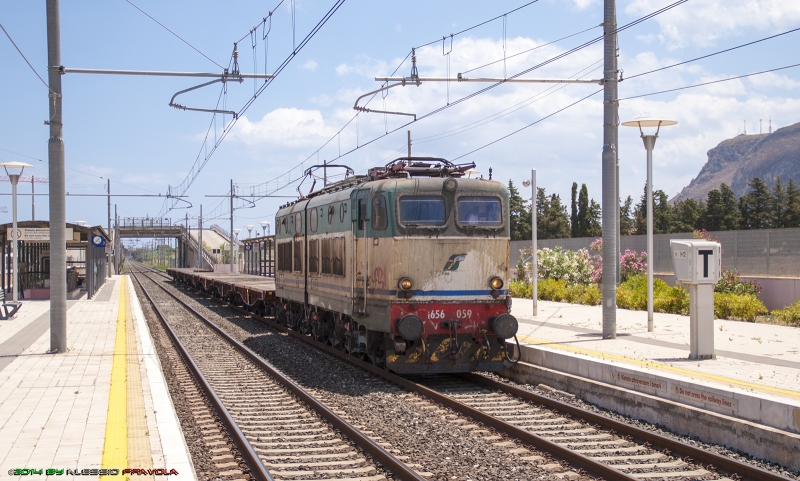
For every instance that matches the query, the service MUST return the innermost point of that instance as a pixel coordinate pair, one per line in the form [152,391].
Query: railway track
[280,431]
[600,446]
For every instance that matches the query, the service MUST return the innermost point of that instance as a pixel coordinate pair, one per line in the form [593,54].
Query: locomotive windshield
[422,210]
[481,211]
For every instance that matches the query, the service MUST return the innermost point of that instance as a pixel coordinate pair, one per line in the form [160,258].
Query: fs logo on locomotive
[453,261]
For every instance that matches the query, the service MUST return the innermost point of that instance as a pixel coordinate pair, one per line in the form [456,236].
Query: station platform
[103,404]
[747,398]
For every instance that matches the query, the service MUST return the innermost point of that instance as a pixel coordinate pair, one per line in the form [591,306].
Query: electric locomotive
[405,267]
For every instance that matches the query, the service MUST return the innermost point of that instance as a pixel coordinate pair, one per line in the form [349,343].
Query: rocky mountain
[736,161]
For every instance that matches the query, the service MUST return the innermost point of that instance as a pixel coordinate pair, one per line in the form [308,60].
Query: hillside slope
[735,161]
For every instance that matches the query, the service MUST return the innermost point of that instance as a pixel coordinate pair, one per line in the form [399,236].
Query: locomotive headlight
[404,284]
[496,283]
[450,184]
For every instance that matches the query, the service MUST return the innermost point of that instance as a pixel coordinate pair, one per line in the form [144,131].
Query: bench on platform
[9,307]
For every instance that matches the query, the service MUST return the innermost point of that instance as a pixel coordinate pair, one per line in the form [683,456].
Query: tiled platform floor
[54,408]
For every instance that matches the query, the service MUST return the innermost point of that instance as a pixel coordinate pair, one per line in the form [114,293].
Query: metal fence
[768,252]
[145,222]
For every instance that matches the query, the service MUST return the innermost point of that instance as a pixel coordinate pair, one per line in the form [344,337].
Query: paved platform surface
[103,404]
[754,361]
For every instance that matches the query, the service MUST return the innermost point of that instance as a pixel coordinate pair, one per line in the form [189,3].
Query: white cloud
[293,128]
[310,65]
[702,22]
[583,4]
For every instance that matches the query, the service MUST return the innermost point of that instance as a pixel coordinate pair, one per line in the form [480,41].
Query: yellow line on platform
[660,366]
[115,450]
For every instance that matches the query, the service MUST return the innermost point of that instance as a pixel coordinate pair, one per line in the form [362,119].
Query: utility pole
[609,174]
[58,210]
[409,144]
[108,264]
[33,200]
[230,234]
[200,239]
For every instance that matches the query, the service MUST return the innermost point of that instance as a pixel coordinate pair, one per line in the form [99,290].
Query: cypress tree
[583,212]
[573,219]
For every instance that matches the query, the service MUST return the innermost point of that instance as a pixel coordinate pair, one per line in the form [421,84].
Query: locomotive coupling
[504,325]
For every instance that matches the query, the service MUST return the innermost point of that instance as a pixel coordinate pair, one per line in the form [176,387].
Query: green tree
[793,204]
[662,213]
[552,217]
[583,212]
[626,217]
[779,204]
[731,217]
[758,213]
[595,228]
[688,215]
[573,219]
[640,214]
[519,213]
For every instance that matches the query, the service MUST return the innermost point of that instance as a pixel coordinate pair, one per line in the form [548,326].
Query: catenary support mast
[58,210]
[610,203]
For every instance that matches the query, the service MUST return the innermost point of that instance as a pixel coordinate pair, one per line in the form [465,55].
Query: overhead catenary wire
[711,82]
[529,125]
[713,54]
[189,180]
[79,171]
[486,89]
[531,49]
[25,58]
[175,34]
[482,23]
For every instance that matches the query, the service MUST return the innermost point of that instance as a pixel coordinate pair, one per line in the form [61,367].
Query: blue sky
[121,128]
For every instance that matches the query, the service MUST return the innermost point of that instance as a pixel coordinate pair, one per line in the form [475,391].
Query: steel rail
[720,462]
[397,467]
[731,466]
[575,459]
[251,458]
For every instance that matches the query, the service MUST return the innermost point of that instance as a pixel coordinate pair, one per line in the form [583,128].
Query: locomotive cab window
[380,219]
[480,211]
[422,210]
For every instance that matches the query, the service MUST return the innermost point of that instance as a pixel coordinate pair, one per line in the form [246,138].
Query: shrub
[730,282]
[571,266]
[520,289]
[632,294]
[560,291]
[789,314]
[739,307]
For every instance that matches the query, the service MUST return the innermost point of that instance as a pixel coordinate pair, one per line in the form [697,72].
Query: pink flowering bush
[630,263]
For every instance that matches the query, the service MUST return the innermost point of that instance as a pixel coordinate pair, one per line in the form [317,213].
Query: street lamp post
[649,144]
[14,170]
[534,257]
